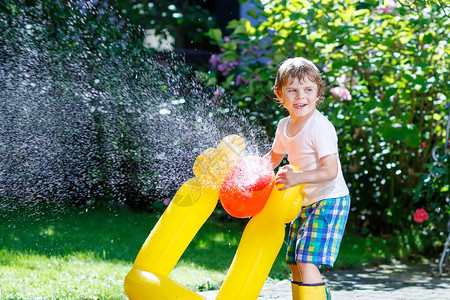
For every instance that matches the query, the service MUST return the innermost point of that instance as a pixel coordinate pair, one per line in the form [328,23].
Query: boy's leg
[290,258]
[296,275]
[309,273]
[312,287]
[296,280]
[319,242]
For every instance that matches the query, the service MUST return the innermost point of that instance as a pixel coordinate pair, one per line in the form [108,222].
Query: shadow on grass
[109,234]
[118,234]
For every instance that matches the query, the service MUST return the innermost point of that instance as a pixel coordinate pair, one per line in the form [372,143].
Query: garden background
[100,123]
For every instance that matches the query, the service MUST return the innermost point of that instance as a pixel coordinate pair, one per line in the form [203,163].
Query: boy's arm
[274,158]
[328,171]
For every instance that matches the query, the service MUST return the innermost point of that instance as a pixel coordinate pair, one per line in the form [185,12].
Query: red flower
[420,215]
[423,144]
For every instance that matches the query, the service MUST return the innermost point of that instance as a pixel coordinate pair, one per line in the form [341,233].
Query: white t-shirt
[315,140]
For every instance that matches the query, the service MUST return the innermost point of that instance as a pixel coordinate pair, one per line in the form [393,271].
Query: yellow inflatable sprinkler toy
[190,208]
[193,203]
[259,246]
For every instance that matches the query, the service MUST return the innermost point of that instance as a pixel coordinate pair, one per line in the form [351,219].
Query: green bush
[67,133]
[387,69]
[87,113]
[79,97]
[185,21]
[432,198]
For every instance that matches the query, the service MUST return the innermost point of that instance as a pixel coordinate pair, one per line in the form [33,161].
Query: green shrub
[387,69]
[68,122]
[87,113]
[432,199]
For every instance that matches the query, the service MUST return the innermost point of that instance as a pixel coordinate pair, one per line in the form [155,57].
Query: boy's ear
[279,97]
[278,94]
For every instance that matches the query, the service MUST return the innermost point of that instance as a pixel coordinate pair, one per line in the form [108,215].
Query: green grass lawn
[74,253]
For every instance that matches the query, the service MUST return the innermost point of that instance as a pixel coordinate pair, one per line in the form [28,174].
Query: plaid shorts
[316,234]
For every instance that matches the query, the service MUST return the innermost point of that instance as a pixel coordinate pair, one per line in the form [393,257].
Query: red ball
[247,187]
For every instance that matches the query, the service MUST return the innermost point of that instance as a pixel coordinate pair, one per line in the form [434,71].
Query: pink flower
[420,215]
[214,60]
[187,134]
[239,79]
[223,66]
[423,144]
[226,39]
[388,9]
[341,92]
[219,92]
[226,67]
[341,80]
[166,201]
[391,4]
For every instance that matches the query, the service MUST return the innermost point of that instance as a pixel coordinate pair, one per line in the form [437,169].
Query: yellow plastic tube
[185,215]
[188,211]
[148,279]
[259,246]
[192,205]
[142,285]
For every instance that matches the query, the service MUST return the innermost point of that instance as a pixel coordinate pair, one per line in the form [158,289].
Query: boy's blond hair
[299,67]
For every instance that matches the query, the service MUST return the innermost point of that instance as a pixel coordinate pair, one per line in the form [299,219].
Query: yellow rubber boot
[295,290]
[315,291]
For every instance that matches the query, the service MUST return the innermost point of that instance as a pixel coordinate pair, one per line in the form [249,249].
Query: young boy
[310,141]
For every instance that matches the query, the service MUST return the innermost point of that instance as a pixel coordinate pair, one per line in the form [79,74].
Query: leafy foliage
[171,19]
[89,114]
[387,69]
[59,143]
[433,194]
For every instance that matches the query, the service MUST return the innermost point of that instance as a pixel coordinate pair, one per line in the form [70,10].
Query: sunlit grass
[73,253]
[76,276]
[68,253]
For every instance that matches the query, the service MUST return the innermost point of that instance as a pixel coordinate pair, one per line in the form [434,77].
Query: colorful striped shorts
[316,234]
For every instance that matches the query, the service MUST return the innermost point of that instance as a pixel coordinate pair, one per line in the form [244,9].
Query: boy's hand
[287,176]
[290,177]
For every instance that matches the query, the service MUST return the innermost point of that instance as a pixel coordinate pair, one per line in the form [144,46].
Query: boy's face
[299,97]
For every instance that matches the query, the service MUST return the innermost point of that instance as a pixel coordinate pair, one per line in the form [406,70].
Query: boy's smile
[299,98]
[299,106]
